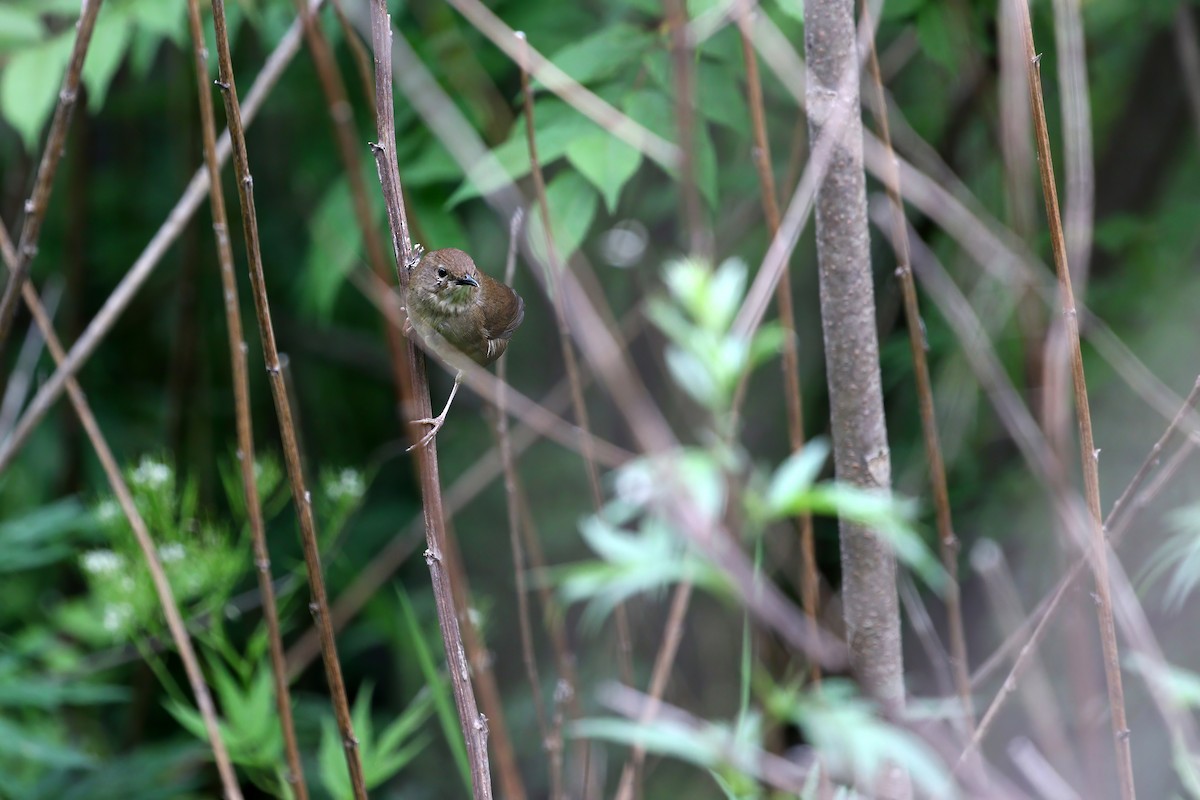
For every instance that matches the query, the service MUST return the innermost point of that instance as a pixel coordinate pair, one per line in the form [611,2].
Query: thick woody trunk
[861,456]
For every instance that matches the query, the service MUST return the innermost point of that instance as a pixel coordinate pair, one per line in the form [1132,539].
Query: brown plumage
[460,314]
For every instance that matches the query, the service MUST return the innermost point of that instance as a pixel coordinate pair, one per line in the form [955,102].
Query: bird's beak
[467,280]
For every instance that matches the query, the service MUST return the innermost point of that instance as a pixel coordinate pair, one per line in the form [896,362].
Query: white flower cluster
[151,474]
[347,482]
[102,562]
[172,552]
[117,616]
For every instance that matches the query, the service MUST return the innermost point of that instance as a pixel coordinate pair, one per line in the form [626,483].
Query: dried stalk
[241,402]
[948,544]
[699,244]
[301,498]
[1089,455]
[36,205]
[154,251]
[554,271]
[512,498]
[474,725]
[346,136]
[162,587]
[810,587]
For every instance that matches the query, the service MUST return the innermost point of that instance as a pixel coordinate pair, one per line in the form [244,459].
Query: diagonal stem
[301,498]
[241,401]
[162,586]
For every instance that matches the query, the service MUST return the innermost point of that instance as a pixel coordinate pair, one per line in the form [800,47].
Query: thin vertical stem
[810,589]
[474,725]
[947,541]
[301,498]
[512,502]
[579,405]
[241,403]
[1088,453]
[36,205]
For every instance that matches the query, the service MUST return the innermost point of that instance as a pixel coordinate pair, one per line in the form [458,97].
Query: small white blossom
[107,511]
[152,474]
[346,483]
[100,562]
[117,616]
[171,552]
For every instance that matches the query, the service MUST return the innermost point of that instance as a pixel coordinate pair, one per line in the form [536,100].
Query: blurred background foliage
[92,699]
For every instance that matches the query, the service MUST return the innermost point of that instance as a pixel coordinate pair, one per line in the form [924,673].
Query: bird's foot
[435,424]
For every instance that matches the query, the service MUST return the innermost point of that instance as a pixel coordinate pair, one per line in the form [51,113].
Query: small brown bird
[460,314]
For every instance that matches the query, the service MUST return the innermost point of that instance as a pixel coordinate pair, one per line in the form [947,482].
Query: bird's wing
[501,317]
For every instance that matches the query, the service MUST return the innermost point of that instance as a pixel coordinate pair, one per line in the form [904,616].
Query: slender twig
[947,540]
[512,503]
[1089,454]
[346,136]
[1187,49]
[987,559]
[571,91]
[334,90]
[154,251]
[1135,496]
[27,358]
[362,59]
[162,587]
[241,402]
[36,205]
[554,271]
[1080,177]
[810,588]
[663,663]
[301,498]
[1026,434]
[781,773]
[474,725]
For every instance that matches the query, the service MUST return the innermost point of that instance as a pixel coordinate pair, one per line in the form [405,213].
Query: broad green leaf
[105,53]
[604,53]
[160,19]
[19,27]
[606,161]
[935,35]
[572,203]
[334,246]
[29,86]
[510,160]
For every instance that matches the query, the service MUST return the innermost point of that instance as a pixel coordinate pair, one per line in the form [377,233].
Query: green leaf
[105,53]
[796,475]
[604,53]
[19,27]
[333,249]
[606,161]
[160,19]
[572,203]
[899,9]
[29,87]
[935,36]
[705,155]
[442,703]
[510,160]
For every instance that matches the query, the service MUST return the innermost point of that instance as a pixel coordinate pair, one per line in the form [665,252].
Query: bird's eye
[441,272]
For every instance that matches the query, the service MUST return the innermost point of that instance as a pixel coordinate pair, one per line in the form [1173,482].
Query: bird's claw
[435,424]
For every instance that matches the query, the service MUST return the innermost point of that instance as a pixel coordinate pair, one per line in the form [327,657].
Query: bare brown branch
[241,400]
[301,498]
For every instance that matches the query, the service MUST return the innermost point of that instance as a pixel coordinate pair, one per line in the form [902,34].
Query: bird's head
[446,278]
